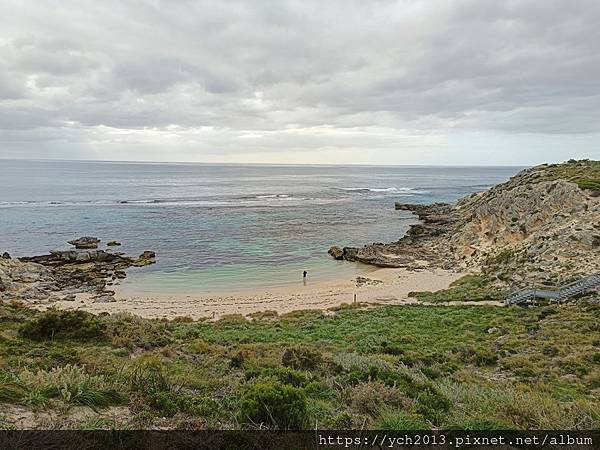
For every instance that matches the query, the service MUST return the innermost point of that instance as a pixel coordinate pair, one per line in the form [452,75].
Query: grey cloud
[472,65]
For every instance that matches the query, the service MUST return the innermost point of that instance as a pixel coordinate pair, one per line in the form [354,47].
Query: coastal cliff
[541,226]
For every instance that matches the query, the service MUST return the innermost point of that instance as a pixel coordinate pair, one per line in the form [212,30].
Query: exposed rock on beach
[62,274]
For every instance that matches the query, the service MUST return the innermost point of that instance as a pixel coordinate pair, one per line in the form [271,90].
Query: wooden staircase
[528,295]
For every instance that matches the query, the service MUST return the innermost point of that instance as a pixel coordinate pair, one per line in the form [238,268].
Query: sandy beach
[384,286]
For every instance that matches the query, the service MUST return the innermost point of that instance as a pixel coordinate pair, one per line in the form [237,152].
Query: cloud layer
[284,80]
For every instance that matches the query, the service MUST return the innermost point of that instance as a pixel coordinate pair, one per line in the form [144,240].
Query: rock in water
[5,255]
[85,242]
[113,243]
[350,253]
[336,252]
[145,259]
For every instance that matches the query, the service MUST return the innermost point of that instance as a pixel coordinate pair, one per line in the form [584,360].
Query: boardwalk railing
[558,294]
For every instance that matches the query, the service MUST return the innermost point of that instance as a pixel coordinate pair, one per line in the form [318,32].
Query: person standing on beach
[304,274]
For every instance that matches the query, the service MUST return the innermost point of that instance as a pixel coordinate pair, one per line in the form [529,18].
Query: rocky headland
[541,226]
[64,274]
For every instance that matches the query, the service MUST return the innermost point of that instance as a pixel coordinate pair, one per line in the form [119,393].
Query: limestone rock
[85,242]
[62,274]
[145,259]
[540,226]
[336,252]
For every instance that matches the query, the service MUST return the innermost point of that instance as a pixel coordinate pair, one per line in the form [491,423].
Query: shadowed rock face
[538,225]
[64,273]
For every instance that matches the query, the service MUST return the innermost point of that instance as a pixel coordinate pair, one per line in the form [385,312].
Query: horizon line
[261,163]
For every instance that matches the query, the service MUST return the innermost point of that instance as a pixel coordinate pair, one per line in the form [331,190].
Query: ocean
[219,228]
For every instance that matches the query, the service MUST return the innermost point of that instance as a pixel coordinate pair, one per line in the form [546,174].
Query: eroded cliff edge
[541,226]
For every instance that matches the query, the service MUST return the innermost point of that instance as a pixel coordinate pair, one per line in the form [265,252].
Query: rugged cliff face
[542,226]
[532,227]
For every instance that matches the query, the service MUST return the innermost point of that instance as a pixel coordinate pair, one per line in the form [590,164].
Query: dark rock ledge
[418,249]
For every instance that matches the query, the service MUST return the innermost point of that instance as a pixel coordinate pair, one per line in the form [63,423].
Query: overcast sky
[369,82]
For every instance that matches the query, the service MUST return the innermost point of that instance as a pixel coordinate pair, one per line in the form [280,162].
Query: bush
[284,375]
[467,288]
[400,421]
[72,385]
[301,357]
[479,424]
[275,404]
[10,388]
[368,398]
[63,324]
[126,330]
[152,384]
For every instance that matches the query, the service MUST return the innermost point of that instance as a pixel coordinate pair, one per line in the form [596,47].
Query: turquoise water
[221,227]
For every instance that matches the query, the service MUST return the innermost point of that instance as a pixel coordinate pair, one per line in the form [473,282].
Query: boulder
[76,256]
[85,242]
[336,252]
[145,259]
[5,255]
[350,253]
[113,243]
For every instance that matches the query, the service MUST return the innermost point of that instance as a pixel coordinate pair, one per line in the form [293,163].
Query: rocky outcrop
[113,243]
[420,247]
[85,242]
[61,274]
[545,231]
[543,226]
[336,253]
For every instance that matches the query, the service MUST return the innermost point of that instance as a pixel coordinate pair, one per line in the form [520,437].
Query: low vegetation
[585,173]
[408,367]
[470,288]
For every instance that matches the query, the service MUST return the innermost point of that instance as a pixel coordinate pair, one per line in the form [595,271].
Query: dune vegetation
[391,367]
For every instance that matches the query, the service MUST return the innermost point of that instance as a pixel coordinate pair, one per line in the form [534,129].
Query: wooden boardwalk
[558,294]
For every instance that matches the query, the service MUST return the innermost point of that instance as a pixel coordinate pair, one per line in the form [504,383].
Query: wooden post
[355,298]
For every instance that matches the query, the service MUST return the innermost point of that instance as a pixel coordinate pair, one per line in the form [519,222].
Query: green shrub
[479,424]
[154,387]
[370,397]
[301,357]
[63,324]
[467,288]
[126,330]
[400,421]
[284,375]
[432,404]
[274,404]
[71,385]
[10,388]
[342,421]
